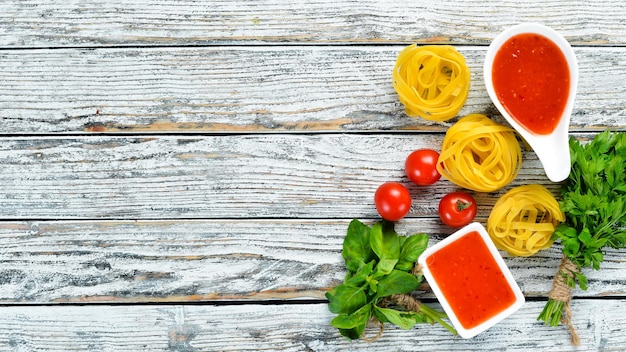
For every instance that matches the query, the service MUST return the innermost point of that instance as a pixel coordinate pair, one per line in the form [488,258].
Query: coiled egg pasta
[523,220]
[479,154]
[432,81]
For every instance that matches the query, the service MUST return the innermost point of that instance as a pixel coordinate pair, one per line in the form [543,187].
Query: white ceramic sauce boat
[551,149]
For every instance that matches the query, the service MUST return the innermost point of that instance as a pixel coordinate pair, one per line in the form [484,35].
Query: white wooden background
[179,175]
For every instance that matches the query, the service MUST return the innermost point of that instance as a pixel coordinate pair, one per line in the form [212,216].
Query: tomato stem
[461,205]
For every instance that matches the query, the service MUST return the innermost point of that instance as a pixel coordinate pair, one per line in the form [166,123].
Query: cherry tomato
[392,200]
[421,167]
[457,209]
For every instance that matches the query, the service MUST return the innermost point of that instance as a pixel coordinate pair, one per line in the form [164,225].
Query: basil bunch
[379,264]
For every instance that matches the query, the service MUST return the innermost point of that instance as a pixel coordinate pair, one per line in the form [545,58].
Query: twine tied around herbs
[407,301]
[381,328]
[562,292]
[417,270]
[404,300]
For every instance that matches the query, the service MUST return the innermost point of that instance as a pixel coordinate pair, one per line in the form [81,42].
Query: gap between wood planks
[271,302]
[178,134]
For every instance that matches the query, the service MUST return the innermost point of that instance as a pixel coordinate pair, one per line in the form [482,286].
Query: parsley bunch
[594,204]
[380,273]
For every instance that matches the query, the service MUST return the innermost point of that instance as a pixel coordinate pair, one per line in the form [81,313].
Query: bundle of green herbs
[594,204]
[381,274]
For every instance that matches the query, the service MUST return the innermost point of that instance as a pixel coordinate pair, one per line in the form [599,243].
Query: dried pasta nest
[523,220]
[479,154]
[432,81]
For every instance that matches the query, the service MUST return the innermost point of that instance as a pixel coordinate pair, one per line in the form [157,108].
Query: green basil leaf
[345,299]
[402,240]
[354,333]
[376,239]
[403,320]
[386,245]
[385,266]
[373,286]
[356,246]
[397,282]
[357,318]
[360,277]
[412,248]
[379,315]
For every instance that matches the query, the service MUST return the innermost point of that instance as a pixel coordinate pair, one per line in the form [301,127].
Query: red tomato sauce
[531,79]
[471,280]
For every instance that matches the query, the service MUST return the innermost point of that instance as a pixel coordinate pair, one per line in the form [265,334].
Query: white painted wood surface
[32,23]
[206,260]
[178,175]
[252,89]
[304,327]
[234,177]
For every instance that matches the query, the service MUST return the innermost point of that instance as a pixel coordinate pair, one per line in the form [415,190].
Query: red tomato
[421,167]
[457,209]
[392,200]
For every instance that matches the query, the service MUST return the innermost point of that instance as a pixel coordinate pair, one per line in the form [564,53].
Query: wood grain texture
[252,89]
[178,175]
[207,261]
[290,327]
[218,177]
[31,23]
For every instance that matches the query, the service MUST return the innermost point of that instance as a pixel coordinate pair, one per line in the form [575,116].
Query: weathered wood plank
[600,324]
[251,89]
[191,261]
[32,23]
[217,177]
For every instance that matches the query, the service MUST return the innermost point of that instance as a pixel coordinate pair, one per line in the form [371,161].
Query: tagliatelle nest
[479,154]
[523,220]
[432,81]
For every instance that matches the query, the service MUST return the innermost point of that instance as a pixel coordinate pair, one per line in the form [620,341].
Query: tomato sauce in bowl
[471,280]
[531,79]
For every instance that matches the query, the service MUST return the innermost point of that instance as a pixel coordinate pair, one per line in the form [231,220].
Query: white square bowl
[476,271]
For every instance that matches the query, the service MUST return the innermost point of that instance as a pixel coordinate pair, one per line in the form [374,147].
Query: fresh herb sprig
[380,274]
[594,204]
